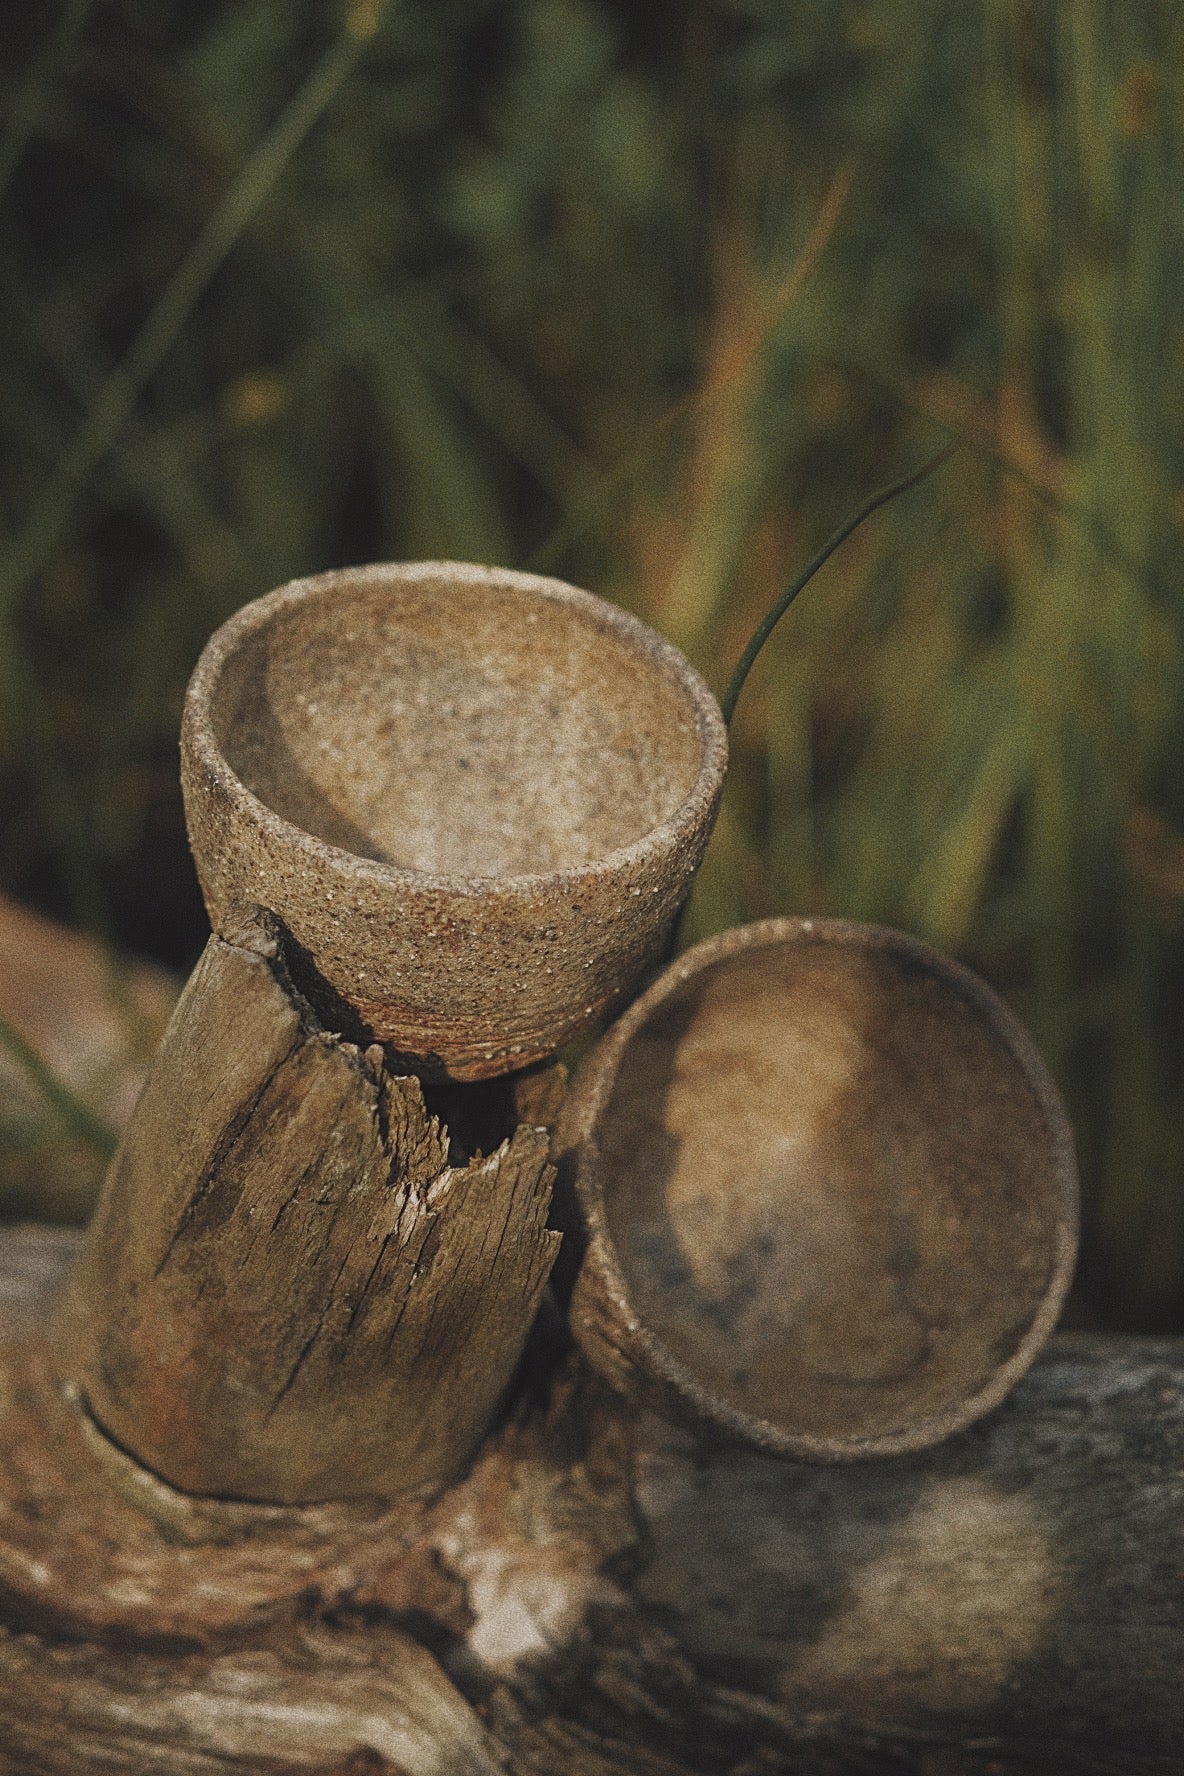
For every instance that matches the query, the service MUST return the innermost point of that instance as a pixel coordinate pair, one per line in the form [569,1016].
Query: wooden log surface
[287,1292]
[600,1594]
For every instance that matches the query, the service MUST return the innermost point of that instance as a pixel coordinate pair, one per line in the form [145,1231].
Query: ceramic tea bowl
[828,1193]
[476,799]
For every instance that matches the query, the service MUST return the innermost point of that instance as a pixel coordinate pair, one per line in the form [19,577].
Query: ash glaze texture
[475,798]
[828,1192]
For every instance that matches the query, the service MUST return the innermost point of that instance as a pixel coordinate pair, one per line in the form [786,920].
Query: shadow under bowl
[828,1192]
[476,798]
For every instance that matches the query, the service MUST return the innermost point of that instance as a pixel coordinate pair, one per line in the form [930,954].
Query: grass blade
[774,616]
[52,513]
[78,1117]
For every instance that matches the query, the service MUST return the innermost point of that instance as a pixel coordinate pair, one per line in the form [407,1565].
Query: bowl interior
[832,1186]
[459,725]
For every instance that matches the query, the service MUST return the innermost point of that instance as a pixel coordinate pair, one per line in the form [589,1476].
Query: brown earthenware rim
[605,1319]
[699,799]
[459,969]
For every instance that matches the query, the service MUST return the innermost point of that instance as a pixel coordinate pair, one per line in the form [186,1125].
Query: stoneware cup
[476,799]
[827,1190]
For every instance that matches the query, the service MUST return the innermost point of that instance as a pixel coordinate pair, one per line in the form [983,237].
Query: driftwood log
[596,1592]
[287,1292]
[598,1595]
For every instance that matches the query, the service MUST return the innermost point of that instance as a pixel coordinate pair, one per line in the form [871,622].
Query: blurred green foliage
[651,297]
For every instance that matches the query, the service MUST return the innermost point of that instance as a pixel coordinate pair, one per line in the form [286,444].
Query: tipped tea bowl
[827,1189]
[475,798]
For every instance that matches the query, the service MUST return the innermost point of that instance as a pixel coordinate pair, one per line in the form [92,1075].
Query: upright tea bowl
[476,799]
[827,1189]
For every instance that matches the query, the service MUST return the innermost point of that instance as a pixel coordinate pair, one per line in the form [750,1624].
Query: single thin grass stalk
[52,512]
[78,1117]
[774,616]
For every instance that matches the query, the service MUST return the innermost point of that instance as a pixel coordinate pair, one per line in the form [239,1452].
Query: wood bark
[287,1292]
[600,1594]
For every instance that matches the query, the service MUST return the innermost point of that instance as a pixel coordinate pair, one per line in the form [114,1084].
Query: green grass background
[650,297]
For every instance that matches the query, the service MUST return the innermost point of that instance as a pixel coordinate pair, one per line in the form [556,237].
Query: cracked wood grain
[287,1293]
[601,1594]
[311,1703]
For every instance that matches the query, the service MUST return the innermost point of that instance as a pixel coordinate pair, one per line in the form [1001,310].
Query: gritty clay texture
[828,1190]
[476,798]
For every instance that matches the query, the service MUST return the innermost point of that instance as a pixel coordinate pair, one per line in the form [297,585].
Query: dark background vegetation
[650,296]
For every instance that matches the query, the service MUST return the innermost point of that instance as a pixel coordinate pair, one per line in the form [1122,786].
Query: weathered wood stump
[596,1591]
[288,1292]
[601,1595]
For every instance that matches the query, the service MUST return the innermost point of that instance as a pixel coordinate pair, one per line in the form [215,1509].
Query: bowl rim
[201,750]
[677,1385]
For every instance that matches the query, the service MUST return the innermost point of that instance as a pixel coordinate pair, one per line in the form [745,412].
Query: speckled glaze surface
[476,798]
[828,1193]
